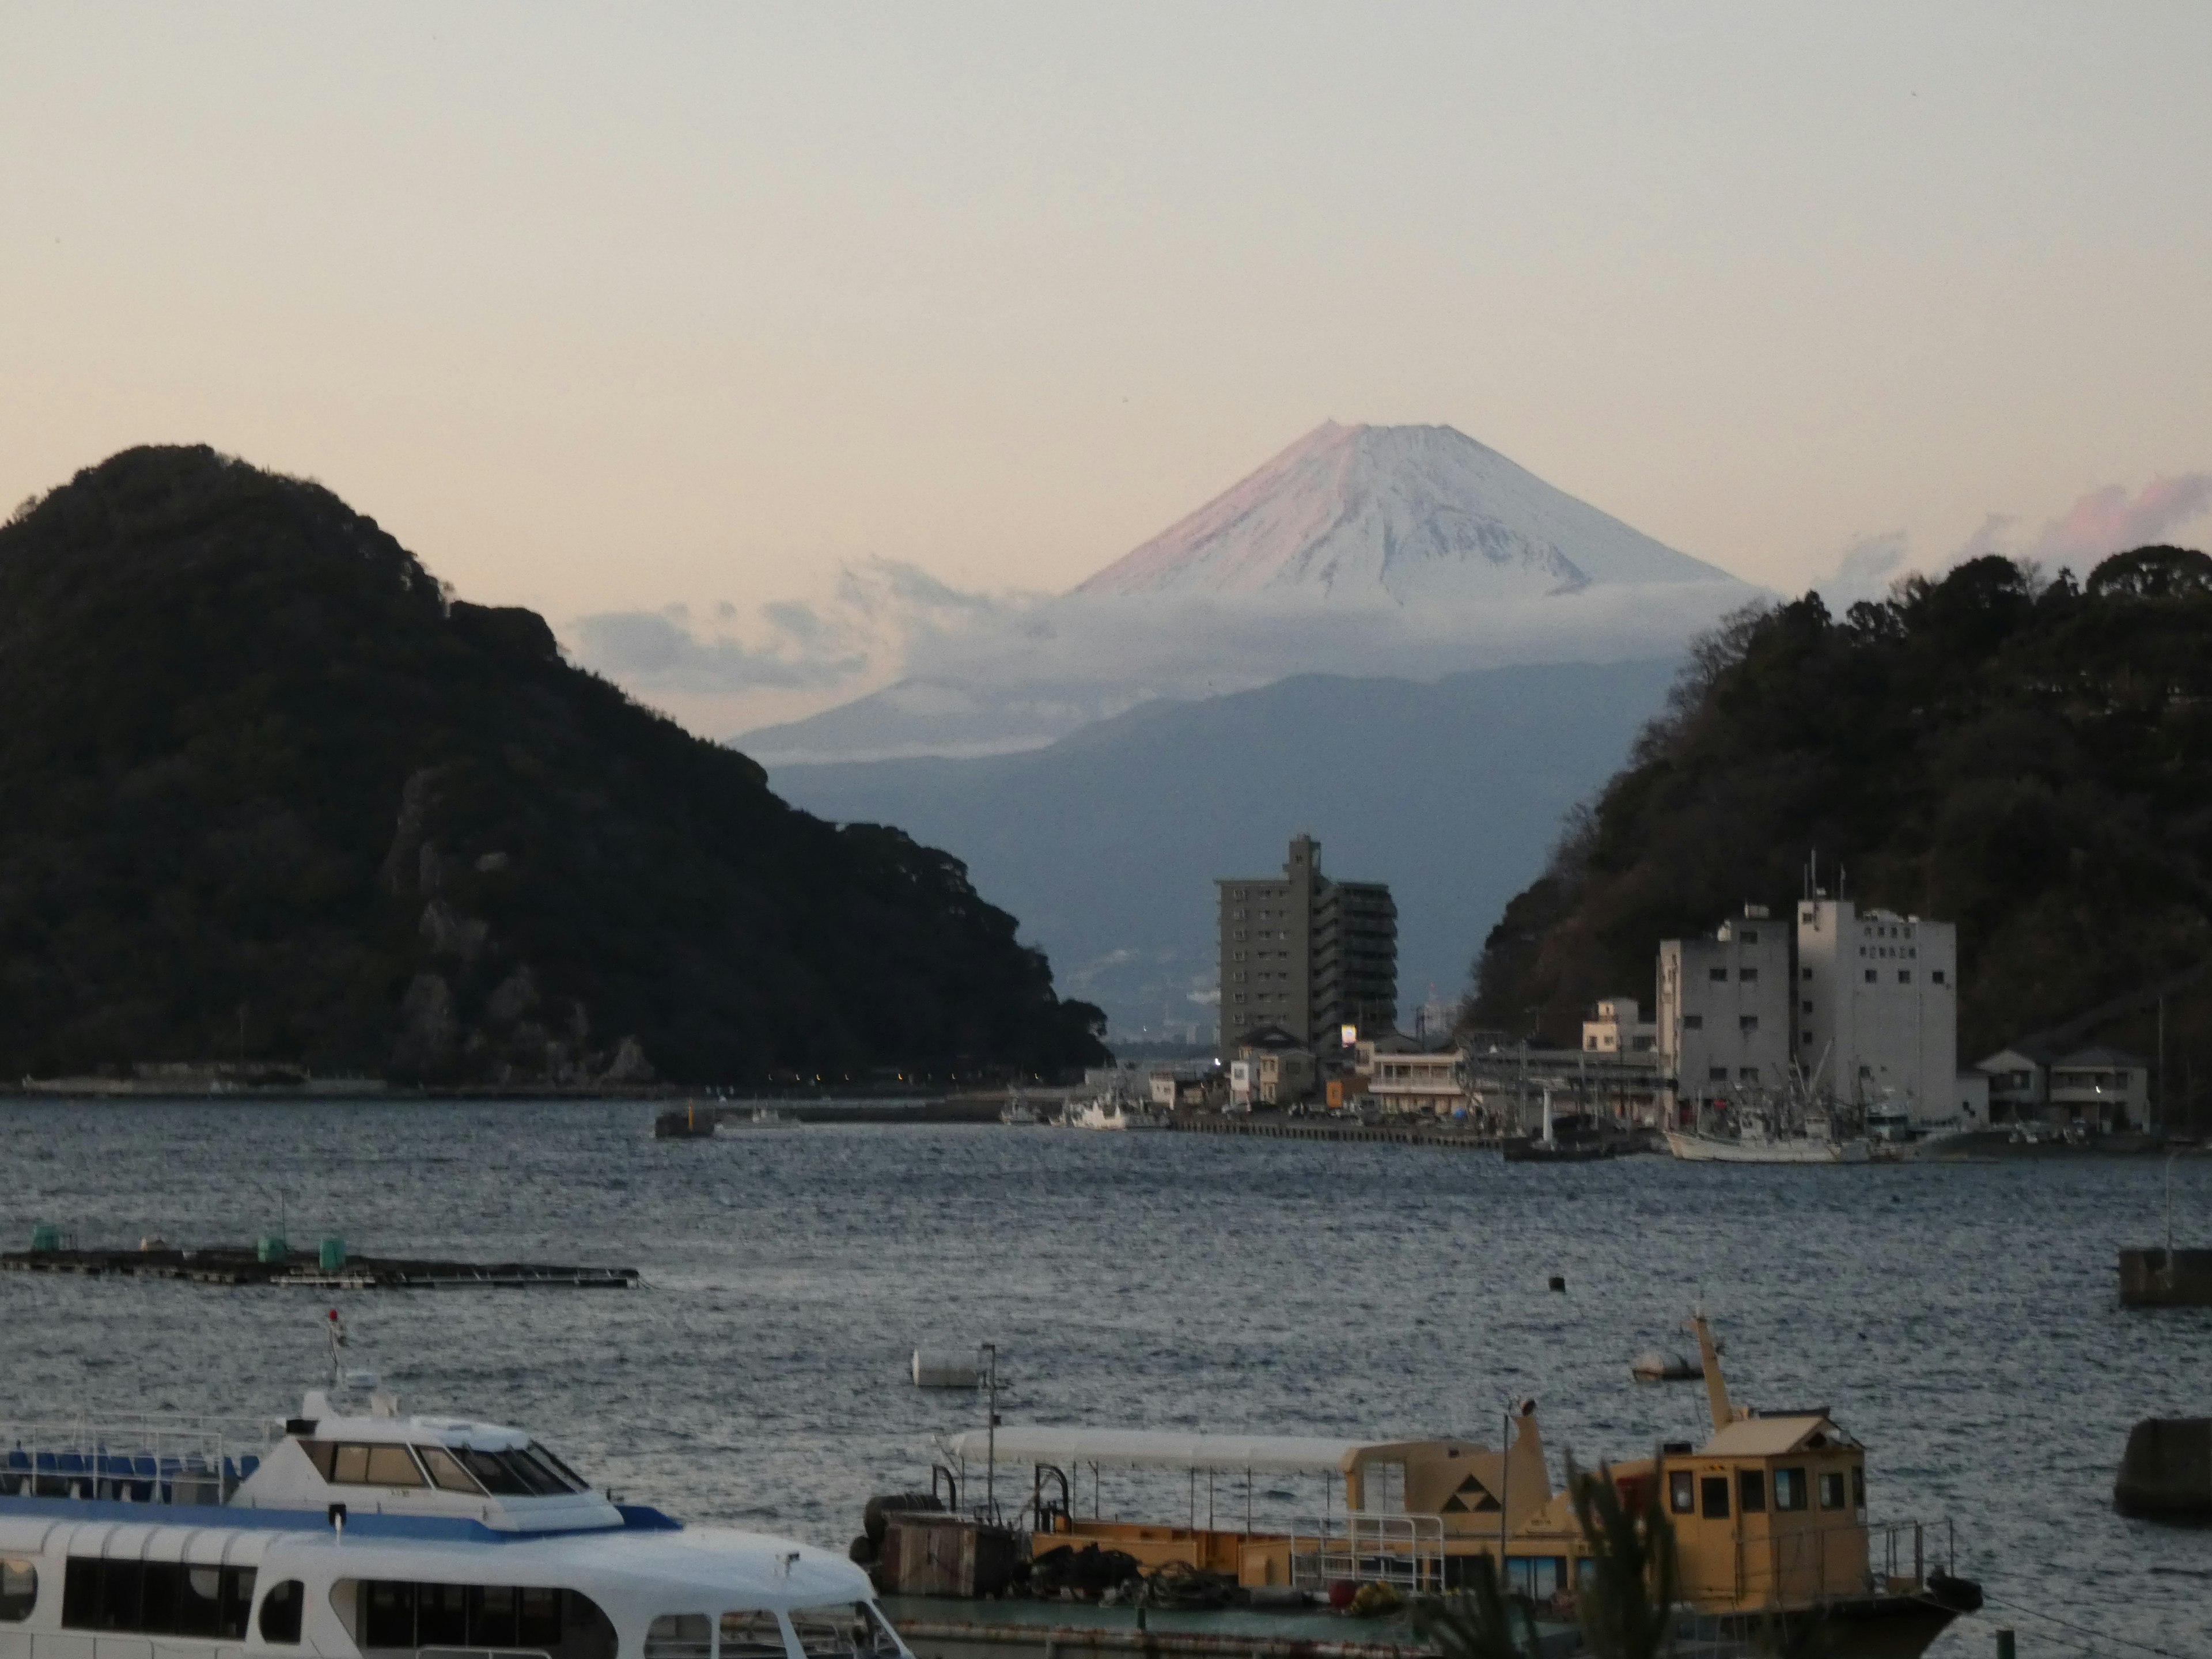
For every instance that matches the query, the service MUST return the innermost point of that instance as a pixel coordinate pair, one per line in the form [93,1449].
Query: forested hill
[2030,759]
[269,792]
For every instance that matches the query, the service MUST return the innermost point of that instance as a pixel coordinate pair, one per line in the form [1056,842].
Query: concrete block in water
[2166,1472]
[2160,1278]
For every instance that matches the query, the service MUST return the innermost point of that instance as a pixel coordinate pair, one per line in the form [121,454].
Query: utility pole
[991,1433]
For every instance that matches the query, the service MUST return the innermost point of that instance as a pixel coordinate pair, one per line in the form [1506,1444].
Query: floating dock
[2163,1279]
[243,1264]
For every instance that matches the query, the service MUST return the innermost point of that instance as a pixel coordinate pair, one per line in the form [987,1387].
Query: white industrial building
[1723,1020]
[1877,1011]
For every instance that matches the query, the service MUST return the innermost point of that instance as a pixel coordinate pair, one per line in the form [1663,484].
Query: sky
[610,311]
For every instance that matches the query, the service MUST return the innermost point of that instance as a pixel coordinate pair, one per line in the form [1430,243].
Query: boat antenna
[334,1328]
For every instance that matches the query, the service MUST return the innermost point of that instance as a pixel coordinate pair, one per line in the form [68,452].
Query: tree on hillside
[2029,759]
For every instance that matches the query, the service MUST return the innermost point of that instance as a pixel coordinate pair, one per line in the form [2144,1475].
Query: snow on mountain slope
[1395,515]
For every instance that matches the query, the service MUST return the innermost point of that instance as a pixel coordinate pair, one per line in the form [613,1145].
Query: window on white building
[1904,976]
[1746,974]
[1748,1074]
[1869,975]
[1937,976]
[1719,974]
[1693,1022]
[1718,1074]
[1749,1023]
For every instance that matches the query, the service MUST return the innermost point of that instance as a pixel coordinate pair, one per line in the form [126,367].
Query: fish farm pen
[269,1262]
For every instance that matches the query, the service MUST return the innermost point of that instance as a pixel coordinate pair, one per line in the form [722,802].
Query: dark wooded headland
[269,792]
[2030,758]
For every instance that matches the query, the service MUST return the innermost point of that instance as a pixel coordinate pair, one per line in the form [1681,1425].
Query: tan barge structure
[1769,1515]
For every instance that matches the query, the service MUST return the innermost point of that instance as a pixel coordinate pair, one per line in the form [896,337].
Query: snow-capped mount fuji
[1405,515]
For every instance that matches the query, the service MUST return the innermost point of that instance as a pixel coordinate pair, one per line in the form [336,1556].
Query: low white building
[1723,1016]
[1877,1010]
[2106,1089]
[1405,1080]
[1619,1028]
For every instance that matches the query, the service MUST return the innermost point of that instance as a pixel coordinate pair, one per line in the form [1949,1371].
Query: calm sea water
[1962,1321]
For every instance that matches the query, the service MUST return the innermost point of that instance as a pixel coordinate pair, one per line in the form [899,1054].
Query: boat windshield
[525,1471]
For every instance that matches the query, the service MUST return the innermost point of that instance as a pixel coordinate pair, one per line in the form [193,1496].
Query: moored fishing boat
[1757,1146]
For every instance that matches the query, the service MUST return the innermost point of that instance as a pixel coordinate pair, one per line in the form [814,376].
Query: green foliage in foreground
[269,792]
[1627,1595]
[2029,759]
[1480,1622]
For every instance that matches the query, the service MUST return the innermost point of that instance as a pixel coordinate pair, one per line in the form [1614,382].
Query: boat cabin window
[1831,1490]
[1382,1488]
[529,1471]
[679,1636]
[524,1472]
[156,1598]
[752,1633]
[1681,1490]
[444,1470]
[351,1463]
[1790,1489]
[1715,1498]
[1858,1486]
[1540,1577]
[1751,1491]
[280,1612]
[402,1615]
[850,1630]
[19,1590]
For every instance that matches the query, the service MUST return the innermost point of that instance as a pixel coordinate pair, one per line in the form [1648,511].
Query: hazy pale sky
[606,308]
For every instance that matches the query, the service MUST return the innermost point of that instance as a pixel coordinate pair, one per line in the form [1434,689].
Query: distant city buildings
[1306,954]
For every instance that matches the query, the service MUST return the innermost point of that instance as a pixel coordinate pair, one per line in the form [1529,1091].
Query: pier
[1308,1128]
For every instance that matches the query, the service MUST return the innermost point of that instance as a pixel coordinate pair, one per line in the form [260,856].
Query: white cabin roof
[1142,1449]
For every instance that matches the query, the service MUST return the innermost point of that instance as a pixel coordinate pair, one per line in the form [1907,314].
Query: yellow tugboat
[1768,1515]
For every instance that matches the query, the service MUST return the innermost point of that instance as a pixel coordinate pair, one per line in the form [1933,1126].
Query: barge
[1768,1515]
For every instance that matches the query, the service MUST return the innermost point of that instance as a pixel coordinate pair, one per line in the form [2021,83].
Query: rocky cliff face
[274,794]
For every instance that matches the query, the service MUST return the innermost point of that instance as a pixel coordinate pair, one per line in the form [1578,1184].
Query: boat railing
[144,1460]
[1901,1543]
[1405,1552]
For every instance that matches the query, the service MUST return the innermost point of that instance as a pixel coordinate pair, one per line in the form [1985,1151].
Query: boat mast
[1716,1394]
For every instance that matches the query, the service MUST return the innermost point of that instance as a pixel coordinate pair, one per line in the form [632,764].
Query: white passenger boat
[342,1536]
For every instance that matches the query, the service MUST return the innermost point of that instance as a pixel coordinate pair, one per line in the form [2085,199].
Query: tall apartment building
[1306,953]
[1724,1014]
[1876,1007]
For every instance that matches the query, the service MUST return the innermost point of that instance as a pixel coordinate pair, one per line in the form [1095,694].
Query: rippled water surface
[1961,1320]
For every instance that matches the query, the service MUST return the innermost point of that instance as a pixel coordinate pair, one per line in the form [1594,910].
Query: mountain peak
[1397,515]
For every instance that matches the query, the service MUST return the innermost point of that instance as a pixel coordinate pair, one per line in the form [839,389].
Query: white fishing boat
[343,1533]
[1756,1146]
[1111,1113]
